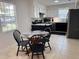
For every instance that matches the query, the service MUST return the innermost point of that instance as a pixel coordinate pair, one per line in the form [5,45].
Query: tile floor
[62,48]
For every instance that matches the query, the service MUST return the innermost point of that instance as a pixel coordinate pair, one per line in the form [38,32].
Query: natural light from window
[62,13]
[7,16]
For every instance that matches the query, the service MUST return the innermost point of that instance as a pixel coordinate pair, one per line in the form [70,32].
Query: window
[62,13]
[7,16]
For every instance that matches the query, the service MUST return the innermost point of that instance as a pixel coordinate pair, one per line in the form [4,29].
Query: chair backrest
[17,36]
[48,29]
[35,39]
[36,43]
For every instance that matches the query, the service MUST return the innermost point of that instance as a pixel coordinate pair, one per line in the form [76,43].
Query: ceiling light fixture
[69,0]
[56,1]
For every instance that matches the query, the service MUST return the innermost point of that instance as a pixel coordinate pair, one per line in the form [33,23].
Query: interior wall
[24,9]
[52,11]
[24,13]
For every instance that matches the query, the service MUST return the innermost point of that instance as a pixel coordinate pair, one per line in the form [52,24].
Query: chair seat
[24,42]
[46,39]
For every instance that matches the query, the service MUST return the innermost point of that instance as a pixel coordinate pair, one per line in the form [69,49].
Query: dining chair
[47,37]
[36,46]
[20,42]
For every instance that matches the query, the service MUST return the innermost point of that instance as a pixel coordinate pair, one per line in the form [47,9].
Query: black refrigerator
[73,24]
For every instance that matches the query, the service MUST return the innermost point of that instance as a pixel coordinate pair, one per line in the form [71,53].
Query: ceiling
[51,2]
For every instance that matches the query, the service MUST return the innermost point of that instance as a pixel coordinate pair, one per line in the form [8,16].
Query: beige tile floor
[62,48]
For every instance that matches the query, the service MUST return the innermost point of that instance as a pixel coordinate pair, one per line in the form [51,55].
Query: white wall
[52,11]
[24,12]
[24,9]
[38,7]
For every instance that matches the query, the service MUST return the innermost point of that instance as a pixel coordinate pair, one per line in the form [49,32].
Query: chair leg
[18,50]
[43,55]
[32,56]
[22,48]
[49,45]
[37,55]
[27,52]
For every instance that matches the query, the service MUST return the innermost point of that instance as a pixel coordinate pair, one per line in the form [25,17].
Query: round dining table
[30,34]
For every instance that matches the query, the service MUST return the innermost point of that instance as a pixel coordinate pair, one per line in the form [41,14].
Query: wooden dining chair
[37,46]
[47,37]
[20,42]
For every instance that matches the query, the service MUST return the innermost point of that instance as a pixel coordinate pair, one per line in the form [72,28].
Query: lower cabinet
[55,27]
[60,27]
